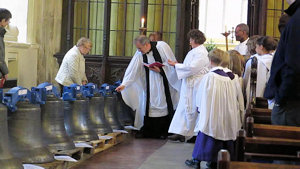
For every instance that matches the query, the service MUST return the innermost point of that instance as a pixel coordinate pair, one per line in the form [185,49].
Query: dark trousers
[287,114]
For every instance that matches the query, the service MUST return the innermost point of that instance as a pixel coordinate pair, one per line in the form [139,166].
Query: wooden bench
[257,106]
[225,163]
[261,141]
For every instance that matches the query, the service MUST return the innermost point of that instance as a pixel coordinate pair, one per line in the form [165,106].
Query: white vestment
[240,96]
[195,65]
[242,47]
[134,94]
[263,68]
[217,105]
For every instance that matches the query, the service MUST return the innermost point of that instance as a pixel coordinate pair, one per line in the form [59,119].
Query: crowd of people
[206,96]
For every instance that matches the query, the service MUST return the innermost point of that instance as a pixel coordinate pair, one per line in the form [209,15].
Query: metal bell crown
[52,110]
[24,126]
[76,110]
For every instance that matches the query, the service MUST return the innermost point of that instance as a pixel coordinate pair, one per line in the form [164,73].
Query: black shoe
[211,165]
[177,137]
[192,140]
[193,163]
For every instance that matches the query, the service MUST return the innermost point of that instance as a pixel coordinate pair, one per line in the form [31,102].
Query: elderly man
[242,35]
[151,91]
[5,16]
[284,82]
[72,69]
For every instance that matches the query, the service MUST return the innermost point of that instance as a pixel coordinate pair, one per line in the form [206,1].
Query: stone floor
[141,154]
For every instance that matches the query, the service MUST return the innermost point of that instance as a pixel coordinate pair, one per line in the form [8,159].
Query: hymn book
[157,64]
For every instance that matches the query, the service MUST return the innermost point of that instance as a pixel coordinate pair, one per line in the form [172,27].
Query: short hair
[142,39]
[151,34]
[235,63]
[197,36]
[268,42]
[159,35]
[5,14]
[82,41]
[219,57]
[251,44]
[244,27]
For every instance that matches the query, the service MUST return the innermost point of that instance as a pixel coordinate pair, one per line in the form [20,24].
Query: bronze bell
[7,160]
[54,132]
[110,111]
[101,125]
[126,114]
[24,128]
[77,122]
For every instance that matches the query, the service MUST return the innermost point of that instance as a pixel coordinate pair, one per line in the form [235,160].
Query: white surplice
[263,68]
[242,47]
[217,101]
[191,71]
[134,94]
[240,97]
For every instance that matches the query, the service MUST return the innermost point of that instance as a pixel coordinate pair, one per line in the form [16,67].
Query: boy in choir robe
[191,71]
[265,47]
[151,91]
[219,119]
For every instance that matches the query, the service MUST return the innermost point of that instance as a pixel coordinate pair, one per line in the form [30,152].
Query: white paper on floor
[31,166]
[83,144]
[131,128]
[105,137]
[65,158]
[120,131]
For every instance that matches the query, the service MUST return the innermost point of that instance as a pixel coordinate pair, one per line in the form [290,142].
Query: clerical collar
[293,8]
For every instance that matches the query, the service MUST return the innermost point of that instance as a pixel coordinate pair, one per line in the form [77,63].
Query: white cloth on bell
[134,94]
[191,71]
[217,105]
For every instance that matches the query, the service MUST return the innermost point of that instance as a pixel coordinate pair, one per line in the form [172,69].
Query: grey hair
[82,41]
[244,27]
[142,39]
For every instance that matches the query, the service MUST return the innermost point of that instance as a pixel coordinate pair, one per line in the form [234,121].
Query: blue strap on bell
[39,93]
[89,90]
[70,92]
[14,95]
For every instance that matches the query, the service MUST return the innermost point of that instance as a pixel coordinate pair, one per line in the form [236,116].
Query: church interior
[91,72]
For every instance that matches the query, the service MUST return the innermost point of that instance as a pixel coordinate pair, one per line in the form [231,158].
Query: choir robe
[191,71]
[135,92]
[219,119]
[263,68]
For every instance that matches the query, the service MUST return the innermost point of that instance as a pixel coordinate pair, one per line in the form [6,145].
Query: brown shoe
[177,137]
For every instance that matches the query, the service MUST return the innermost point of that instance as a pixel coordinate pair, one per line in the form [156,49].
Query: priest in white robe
[191,71]
[151,92]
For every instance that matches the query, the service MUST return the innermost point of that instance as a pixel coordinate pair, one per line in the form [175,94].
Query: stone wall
[44,29]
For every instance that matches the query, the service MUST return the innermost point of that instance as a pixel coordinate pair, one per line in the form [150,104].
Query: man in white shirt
[72,69]
[242,35]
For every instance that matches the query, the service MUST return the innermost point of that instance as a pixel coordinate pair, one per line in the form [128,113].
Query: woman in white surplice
[195,65]
[134,86]
[265,47]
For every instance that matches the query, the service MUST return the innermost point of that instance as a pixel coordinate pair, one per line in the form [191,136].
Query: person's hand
[120,88]
[84,82]
[172,63]
[5,76]
[155,69]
